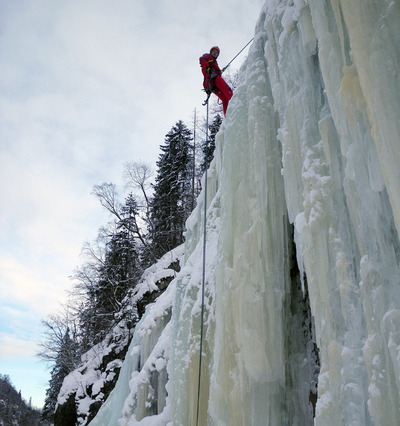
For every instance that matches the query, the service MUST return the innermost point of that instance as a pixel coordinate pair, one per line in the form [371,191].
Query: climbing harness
[225,68]
[204,267]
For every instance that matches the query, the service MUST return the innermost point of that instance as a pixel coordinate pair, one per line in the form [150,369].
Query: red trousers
[223,91]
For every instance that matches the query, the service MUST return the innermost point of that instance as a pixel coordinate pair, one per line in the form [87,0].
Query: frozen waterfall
[303,220]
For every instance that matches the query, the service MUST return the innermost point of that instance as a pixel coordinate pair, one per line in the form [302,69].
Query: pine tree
[171,204]
[107,278]
[208,152]
[117,276]
[64,364]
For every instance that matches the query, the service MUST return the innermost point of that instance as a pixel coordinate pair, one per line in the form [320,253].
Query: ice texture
[309,152]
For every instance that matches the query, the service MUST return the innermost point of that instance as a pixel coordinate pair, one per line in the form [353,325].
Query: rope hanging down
[204,242]
[204,270]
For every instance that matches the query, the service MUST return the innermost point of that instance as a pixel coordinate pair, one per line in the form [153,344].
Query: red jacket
[210,69]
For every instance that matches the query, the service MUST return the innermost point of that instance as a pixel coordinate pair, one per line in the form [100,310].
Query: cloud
[13,347]
[28,290]
[84,87]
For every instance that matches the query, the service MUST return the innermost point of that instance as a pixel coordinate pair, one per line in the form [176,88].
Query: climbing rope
[224,69]
[204,243]
[204,270]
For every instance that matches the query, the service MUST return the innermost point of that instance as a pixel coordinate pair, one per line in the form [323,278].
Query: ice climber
[213,82]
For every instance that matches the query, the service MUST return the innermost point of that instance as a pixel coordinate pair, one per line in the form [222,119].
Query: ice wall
[309,152]
[334,76]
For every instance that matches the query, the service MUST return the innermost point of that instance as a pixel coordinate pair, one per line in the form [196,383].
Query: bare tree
[108,197]
[137,176]
[56,327]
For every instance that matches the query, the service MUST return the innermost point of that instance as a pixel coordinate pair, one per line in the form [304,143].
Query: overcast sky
[85,86]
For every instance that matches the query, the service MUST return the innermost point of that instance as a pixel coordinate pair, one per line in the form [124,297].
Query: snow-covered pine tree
[171,204]
[64,364]
[112,276]
[213,129]
[117,276]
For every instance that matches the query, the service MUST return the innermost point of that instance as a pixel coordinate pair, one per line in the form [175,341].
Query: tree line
[14,410]
[148,223]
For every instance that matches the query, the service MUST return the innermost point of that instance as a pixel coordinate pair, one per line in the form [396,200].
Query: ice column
[333,68]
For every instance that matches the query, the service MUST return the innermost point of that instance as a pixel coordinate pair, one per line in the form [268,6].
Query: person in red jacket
[213,82]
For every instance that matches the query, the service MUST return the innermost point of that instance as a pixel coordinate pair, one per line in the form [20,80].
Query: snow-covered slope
[85,389]
[309,153]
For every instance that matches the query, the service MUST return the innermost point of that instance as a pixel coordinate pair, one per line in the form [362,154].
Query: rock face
[302,279]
